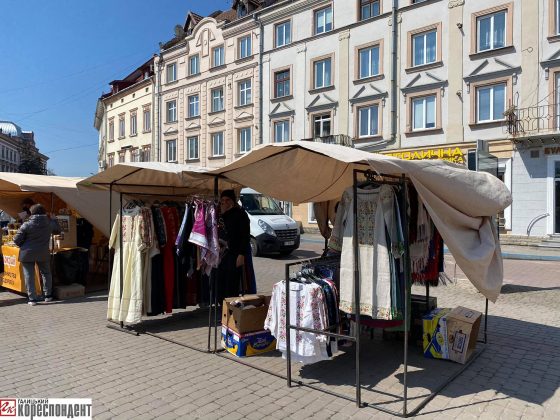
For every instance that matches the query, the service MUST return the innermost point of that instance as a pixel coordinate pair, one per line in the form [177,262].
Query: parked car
[271,230]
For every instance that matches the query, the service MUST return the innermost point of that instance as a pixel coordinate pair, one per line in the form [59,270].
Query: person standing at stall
[234,234]
[33,240]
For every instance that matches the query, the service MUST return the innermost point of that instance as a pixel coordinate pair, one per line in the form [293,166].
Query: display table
[12,277]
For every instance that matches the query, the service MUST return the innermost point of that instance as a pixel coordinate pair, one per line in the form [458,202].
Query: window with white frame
[194,110]
[192,148]
[194,65]
[245,140]
[282,83]
[133,124]
[424,112]
[171,108]
[111,130]
[171,155]
[244,47]
[281,131]
[424,48]
[217,99]
[121,127]
[323,20]
[282,34]
[245,92]
[368,61]
[147,120]
[218,144]
[322,125]
[218,56]
[491,31]
[368,121]
[171,72]
[490,102]
[322,73]
[368,9]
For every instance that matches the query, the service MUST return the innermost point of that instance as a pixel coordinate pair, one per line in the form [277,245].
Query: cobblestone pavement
[64,349]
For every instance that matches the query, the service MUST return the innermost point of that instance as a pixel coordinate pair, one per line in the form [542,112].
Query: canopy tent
[156,178]
[460,202]
[54,192]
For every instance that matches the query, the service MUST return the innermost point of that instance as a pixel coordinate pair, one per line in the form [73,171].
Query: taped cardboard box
[250,344]
[462,332]
[434,335]
[249,317]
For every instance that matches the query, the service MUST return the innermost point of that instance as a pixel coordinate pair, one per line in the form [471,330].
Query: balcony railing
[341,139]
[540,119]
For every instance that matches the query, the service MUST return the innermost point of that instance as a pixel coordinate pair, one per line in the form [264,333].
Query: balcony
[535,120]
[340,139]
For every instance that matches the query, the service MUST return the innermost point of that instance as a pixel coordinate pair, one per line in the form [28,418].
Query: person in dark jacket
[234,233]
[33,240]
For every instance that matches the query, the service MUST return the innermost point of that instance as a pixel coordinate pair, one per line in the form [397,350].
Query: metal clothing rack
[213,283]
[389,180]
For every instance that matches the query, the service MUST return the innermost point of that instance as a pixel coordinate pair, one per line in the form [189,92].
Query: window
[171,72]
[556,17]
[424,112]
[491,31]
[281,131]
[424,47]
[121,157]
[322,73]
[368,9]
[111,160]
[218,99]
[171,151]
[121,127]
[192,148]
[282,83]
[135,155]
[194,67]
[244,47]
[245,140]
[218,144]
[245,92]
[490,102]
[368,62]
[145,154]
[218,56]
[111,130]
[322,125]
[193,106]
[323,20]
[282,34]
[147,120]
[133,125]
[171,111]
[368,121]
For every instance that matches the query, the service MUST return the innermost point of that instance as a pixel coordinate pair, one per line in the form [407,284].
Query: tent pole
[288,331]
[121,255]
[486,322]
[215,280]
[356,287]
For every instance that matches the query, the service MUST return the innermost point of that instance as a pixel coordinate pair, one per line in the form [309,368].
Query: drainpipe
[394,67]
[158,85]
[257,19]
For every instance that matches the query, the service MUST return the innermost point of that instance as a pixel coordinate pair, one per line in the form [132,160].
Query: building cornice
[126,91]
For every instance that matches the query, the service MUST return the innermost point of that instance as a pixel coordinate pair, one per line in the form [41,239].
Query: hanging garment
[376,222]
[307,309]
[210,255]
[152,249]
[198,233]
[171,220]
[325,212]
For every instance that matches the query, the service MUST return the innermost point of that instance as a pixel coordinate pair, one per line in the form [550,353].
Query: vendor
[25,207]
[234,234]
[33,240]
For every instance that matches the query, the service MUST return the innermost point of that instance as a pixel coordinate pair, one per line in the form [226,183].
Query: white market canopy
[54,193]
[157,178]
[460,202]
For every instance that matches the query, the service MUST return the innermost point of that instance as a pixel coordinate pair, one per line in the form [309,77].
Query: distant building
[17,145]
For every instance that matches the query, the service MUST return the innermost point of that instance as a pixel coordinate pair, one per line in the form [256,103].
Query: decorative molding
[455,3]
[399,19]
[301,48]
[344,35]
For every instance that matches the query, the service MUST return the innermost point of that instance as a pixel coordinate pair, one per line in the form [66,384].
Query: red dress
[171,218]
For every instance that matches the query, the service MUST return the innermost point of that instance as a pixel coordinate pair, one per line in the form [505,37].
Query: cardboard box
[434,335]
[68,237]
[245,320]
[462,332]
[250,344]
[73,290]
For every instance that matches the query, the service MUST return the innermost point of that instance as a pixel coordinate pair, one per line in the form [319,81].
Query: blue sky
[58,56]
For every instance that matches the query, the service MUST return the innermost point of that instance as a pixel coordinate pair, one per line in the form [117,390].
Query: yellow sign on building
[452,155]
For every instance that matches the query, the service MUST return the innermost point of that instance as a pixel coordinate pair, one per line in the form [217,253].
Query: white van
[271,230]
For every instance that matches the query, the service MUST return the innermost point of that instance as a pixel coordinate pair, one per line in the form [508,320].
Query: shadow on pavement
[514,288]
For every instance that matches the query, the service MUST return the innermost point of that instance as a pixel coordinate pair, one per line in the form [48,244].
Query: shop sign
[449,154]
[552,150]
